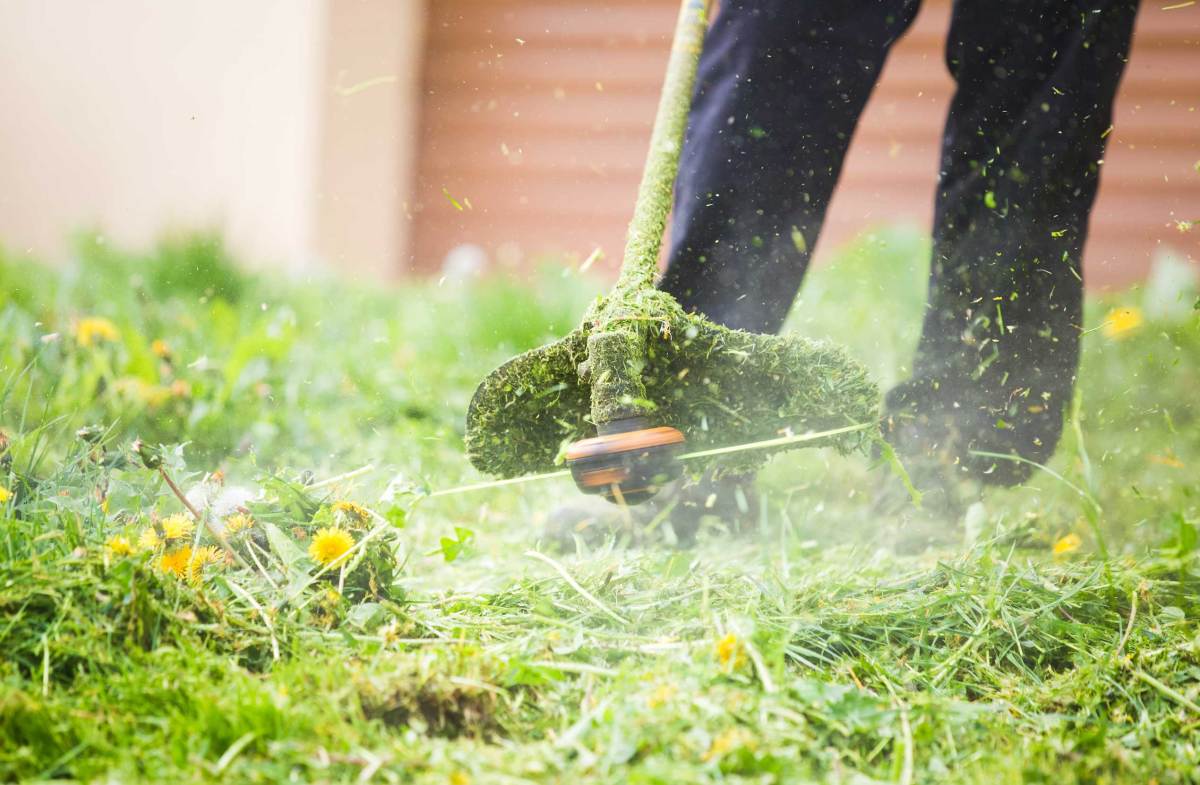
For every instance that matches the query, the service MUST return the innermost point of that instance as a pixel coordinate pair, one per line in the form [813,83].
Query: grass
[451,647]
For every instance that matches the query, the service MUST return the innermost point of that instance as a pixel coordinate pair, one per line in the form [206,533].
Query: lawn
[1053,639]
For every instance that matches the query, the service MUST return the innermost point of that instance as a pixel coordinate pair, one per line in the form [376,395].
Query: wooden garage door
[536,114]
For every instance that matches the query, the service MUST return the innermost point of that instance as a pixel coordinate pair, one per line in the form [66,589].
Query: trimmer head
[715,385]
[628,463]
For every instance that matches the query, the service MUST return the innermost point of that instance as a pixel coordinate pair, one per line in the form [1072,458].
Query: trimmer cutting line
[766,444]
[620,397]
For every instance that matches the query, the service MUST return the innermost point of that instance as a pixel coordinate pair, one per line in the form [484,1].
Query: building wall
[537,112]
[137,116]
[369,106]
[378,135]
[535,122]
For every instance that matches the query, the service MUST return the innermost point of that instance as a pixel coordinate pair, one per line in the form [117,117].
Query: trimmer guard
[718,386]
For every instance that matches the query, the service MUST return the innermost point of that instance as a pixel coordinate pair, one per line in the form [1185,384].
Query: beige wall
[370,101]
[136,116]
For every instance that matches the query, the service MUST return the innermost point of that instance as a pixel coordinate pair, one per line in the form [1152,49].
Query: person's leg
[780,88]
[1022,154]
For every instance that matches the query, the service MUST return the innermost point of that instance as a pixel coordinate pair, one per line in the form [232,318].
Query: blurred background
[381,138]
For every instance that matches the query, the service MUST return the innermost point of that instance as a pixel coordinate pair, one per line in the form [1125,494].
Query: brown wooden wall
[536,114]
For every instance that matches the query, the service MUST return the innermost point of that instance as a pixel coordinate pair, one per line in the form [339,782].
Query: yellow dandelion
[94,330]
[238,522]
[661,695]
[186,563]
[730,652]
[354,514]
[209,554]
[1067,544]
[330,545]
[119,545]
[177,527]
[149,539]
[5,494]
[390,632]
[152,395]
[155,395]
[160,348]
[1121,321]
[727,741]
[176,562]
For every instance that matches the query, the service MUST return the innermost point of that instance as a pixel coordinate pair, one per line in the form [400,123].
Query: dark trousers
[781,87]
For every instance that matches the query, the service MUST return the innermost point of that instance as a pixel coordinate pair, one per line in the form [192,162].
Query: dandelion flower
[661,695]
[727,741]
[119,545]
[330,545]
[238,522]
[176,562]
[1121,321]
[94,330]
[5,494]
[209,554]
[354,514]
[1067,544]
[184,563]
[177,527]
[151,395]
[730,652]
[149,539]
[160,348]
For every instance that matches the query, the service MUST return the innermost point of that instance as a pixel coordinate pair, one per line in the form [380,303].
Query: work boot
[730,501]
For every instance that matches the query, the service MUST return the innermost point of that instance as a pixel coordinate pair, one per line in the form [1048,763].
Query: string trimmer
[618,397]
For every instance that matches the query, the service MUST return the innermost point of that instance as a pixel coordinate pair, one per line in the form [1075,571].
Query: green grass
[454,648]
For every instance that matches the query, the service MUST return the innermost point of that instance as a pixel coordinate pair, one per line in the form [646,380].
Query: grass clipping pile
[638,354]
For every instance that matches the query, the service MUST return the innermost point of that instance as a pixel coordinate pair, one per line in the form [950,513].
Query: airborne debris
[446,193]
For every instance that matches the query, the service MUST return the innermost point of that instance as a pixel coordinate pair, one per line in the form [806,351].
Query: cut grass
[805,651]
